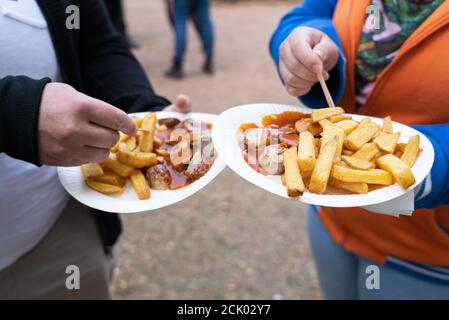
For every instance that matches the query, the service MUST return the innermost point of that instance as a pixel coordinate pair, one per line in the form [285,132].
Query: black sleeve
[110,71]
[20,98]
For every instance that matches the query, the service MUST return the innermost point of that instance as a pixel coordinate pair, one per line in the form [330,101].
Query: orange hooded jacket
[413,90]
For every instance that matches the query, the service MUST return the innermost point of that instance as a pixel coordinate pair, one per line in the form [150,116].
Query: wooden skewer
[327,94]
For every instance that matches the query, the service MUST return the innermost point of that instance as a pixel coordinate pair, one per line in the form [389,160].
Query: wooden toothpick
[327,94]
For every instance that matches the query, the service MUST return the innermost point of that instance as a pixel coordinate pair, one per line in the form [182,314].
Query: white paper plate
[225,141]
[72,180]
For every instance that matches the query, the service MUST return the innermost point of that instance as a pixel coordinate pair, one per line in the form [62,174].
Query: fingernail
[326,75]
[133,128]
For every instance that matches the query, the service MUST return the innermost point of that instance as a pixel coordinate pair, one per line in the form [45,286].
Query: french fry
[345,152]
[306,152]
[411,151]
[398,154]
[325,113]
[136,159]
[131,144]
[163,152]
[122,139]
[103,187]
[358,163]
[347,125]
[112,178]
[146,141]
[303,124]
[387,141]
[157,143]
[331,131]
[400,147]
[364,121]
[378,155]
[137,121]
[323,166]
[293,179]
[400,170]
[306,175]
[335,119]
[112,164]
[355,187]
[315,129]
[91,170]
[360,136]
[317,143]
[379,131]
[367,152]
[324,122]
[388,125]
[140,185]
[372,176]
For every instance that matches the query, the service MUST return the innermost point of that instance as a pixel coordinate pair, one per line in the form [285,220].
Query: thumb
[324,49]
[125,123]
[110,117]
[183,103]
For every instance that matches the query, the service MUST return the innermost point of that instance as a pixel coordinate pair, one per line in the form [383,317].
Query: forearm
[434,191]
[20,99]
[317,15]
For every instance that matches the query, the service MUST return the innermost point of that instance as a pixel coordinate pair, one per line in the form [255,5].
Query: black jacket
[95,61]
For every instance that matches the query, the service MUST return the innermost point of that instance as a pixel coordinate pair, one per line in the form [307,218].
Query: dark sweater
[95,61]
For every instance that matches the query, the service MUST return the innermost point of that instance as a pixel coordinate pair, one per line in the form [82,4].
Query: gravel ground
[232,240]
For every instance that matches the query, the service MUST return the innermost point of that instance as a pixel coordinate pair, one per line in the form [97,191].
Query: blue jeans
[199,10]
[343,275]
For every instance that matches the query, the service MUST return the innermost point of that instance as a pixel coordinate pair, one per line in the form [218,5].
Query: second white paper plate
[224,136]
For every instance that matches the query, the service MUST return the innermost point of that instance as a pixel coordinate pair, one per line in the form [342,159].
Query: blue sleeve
[317,14]
[434,191]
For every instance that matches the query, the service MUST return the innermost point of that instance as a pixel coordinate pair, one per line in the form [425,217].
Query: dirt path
[232,240]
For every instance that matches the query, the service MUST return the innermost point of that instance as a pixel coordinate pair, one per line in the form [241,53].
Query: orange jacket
[413,90]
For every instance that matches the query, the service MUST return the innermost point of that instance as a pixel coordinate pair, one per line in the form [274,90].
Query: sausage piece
[159,177]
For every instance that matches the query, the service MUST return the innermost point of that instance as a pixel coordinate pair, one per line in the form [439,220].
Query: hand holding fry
[306,52]
[75,129]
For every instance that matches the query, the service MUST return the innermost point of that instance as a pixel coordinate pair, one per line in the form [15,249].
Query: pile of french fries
[126,159]
[356,157]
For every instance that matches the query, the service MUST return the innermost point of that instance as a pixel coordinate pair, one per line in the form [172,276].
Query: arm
[20,98]
[110,71]
[434,191]
[316,14]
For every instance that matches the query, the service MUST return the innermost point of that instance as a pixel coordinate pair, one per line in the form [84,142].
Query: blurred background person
[115,9]
[199,11]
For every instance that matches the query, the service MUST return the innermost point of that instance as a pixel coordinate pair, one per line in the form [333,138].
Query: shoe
[208,66]
[175,71]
